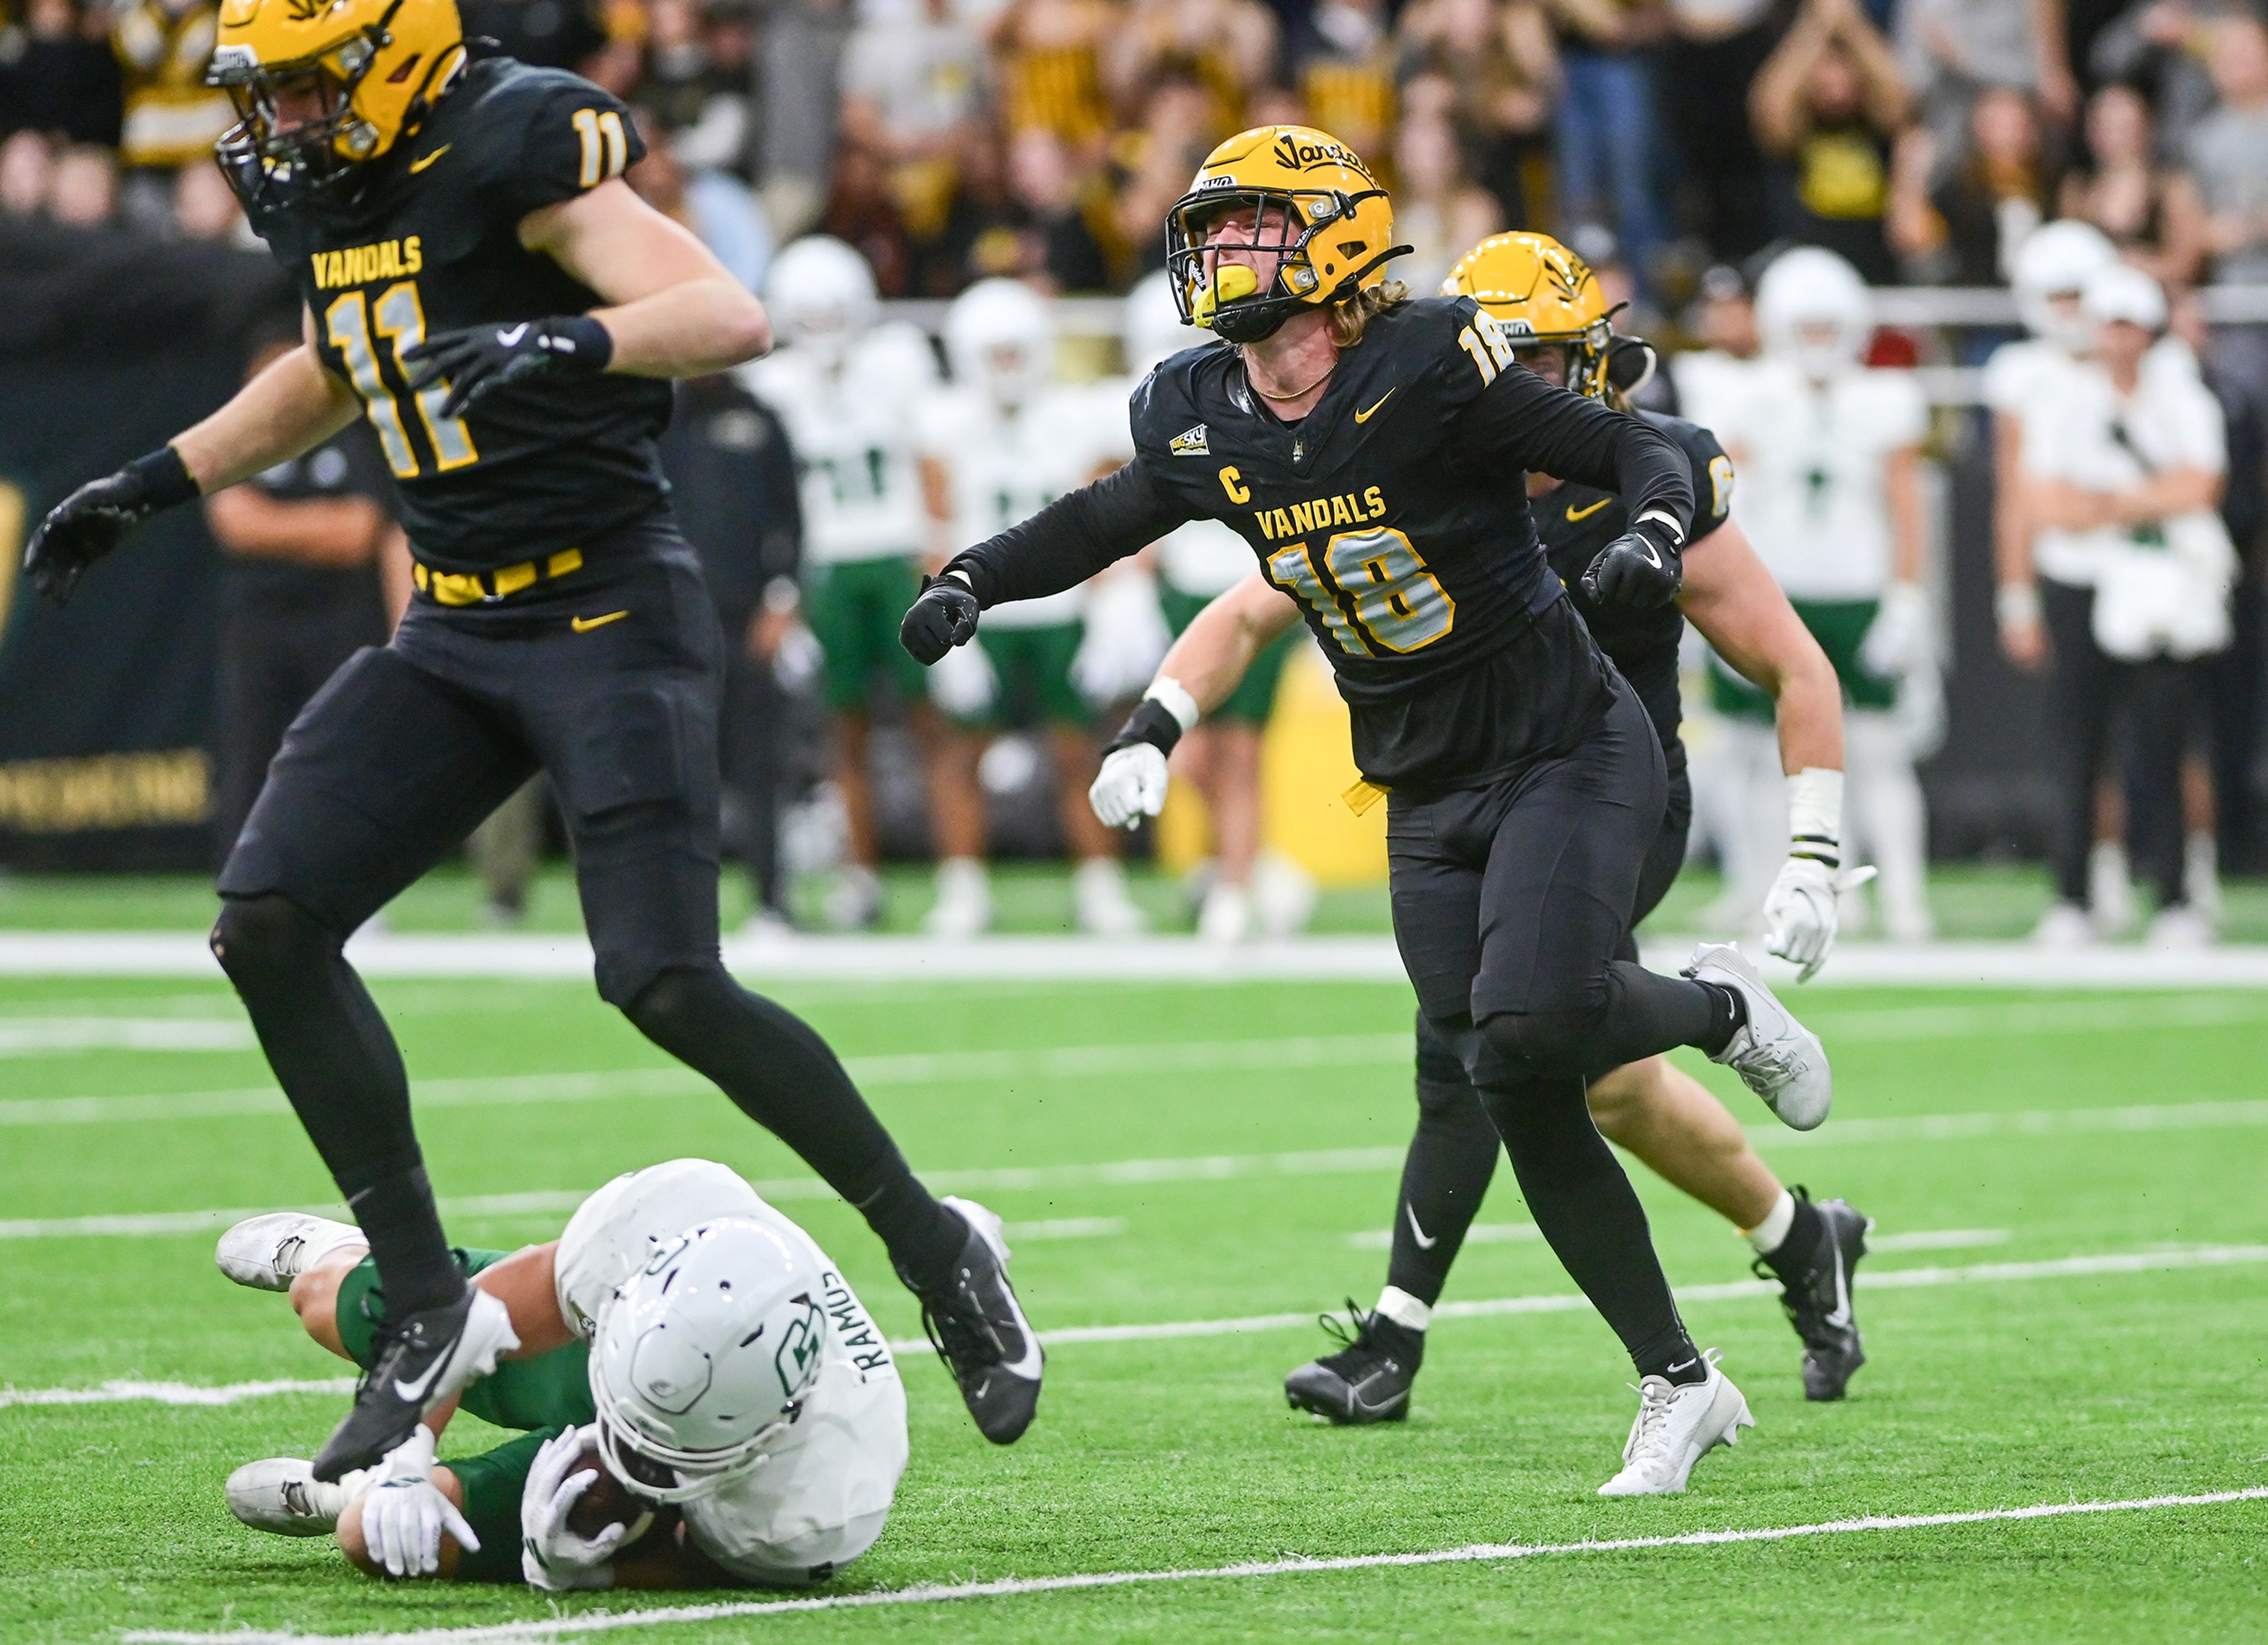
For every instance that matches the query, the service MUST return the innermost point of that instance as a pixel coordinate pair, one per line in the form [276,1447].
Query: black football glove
[481,358]
[1638,569]
[943,617]
[96,517]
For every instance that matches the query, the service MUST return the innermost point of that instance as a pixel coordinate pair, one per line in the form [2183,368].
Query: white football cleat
[282,1496]
[1100,900]
[964,900]
[1226,916]
[268,1253]
[1776,1056]
[2064,926]
[1677,1427]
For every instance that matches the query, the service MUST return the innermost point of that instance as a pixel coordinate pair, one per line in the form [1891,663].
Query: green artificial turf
[1178,1453]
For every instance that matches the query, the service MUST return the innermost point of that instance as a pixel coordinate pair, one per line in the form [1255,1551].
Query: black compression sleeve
[1072,538]
[1520,421]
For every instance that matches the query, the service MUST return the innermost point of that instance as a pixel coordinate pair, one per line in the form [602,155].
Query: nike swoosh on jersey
[1575,513]
[1423,1244]
[583,625]
[1364,416]
[510,337]
[423,160]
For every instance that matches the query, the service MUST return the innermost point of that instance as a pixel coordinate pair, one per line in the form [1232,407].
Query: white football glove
[403,1512]
[552,1556]
[1130,786]
[1897,641]
[1800,911]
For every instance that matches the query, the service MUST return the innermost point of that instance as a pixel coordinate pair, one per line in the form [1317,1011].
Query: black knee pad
[269,935]
[1542,1042]
[1441,1070]
[681,1002]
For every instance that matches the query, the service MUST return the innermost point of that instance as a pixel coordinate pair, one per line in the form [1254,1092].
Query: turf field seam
[1545,1302]
[1015,1587]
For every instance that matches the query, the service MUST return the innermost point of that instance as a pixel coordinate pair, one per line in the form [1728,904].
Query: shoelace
[960,1330]
[1652,1429]
[1354,1333]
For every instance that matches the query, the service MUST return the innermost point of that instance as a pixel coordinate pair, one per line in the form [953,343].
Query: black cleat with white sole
[1368,1379]
[1816,1298]
[421,1362]
[980,1332]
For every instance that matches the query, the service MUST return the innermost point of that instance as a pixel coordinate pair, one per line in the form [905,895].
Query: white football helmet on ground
[1000,337]
[1812,308]
[702,1361]
[2051,269]
[822,294]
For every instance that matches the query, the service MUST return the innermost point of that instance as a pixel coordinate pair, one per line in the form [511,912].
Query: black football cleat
[1817,1299]
[1368,1379]
[979,1330]
[423,1360]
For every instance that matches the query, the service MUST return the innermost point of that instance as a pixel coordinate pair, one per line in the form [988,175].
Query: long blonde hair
[1349,319]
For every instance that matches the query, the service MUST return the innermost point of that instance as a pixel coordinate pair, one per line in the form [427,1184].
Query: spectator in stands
[1342,55]
[1721,45]
[861,212]
[172,115]
[27,164]
[1160,158]
[1604,129]
[682,83]
[2135,458]
[302,590]
[1438,211]
[1960,224]
[719,209]
[206,208]
[1048,54]
[2162,47]
[913,94]
[1228,46]
[549,33]
[1828,103]
[2150,210]
[58,73]
[1493,71]
[723,137]
[2229,151]
[1059,247]
[83,188]
[801,75]
[1953,51]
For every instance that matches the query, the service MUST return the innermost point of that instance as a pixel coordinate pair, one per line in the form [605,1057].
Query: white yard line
[1479,1234]
[1548,1303]
[1014,1587]
[73,1036]
[1161,958]
[1074,1062]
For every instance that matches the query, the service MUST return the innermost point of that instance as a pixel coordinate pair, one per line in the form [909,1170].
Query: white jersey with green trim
[851,423]
[1004,464]
[1812,461]
[823,1492]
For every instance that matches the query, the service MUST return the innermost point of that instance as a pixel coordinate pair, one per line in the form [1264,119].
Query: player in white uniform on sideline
[1827,451]
[1248,891]
[998,445]
[846,384]
[700,1341]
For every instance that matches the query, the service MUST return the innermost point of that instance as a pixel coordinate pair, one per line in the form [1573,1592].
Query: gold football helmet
[1314,204]
[1546,295]
[351,76]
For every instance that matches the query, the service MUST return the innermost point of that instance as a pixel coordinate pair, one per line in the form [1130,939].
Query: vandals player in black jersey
[1372,450]
[1666,1117]
[484,288]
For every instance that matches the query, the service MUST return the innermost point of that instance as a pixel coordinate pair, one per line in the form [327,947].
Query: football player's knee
[262,938]
[677,1003]
[1442,1080]
[347,1534]
[1540,1042]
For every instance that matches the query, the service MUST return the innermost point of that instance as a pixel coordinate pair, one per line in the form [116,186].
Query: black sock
[342,1072]
[1452,1158]
[1792,1257]
[1583,1202]
[1647,1013]
[1728,1012]
[416,1271]
[783,1075]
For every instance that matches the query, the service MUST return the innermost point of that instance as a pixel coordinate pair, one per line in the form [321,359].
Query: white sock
[1770,1234]
[1404,1310]
[964,876]
[1099,875]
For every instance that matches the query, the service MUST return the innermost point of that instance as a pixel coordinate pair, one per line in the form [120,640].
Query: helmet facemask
[1231,300]
[652,1468]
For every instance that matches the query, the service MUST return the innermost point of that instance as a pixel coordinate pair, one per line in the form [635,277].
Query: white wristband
[1815,815]
[1168,693]
[2016,605]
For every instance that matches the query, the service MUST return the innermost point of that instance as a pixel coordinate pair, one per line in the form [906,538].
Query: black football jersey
[426,241]
[1395,512]
[1577,520]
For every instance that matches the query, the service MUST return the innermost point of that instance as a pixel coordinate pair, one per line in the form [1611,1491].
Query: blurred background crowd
[1678,145]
